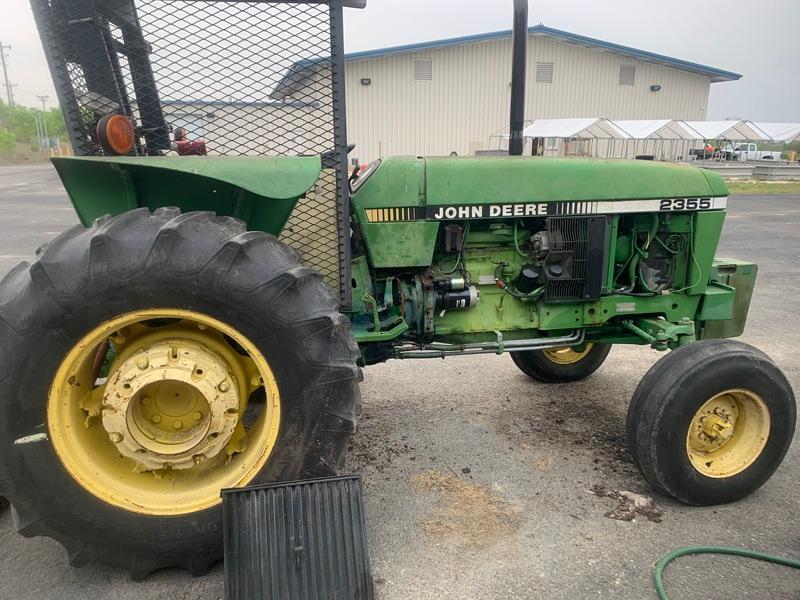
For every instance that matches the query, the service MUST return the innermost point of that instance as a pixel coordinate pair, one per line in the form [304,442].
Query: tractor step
[303,540]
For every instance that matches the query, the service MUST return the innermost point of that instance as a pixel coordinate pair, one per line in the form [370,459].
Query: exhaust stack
[519,43]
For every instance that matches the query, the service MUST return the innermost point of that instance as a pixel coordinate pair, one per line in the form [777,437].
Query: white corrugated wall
[468,98]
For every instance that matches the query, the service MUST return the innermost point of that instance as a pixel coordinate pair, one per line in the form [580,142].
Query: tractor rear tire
[711,422]
[270,310]
[561,365]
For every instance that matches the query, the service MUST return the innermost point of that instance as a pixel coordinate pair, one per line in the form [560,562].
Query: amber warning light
[116,135]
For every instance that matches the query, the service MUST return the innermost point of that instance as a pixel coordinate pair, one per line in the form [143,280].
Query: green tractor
[205,326]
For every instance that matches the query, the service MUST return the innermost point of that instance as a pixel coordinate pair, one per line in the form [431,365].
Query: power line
[9,92]
[43,98]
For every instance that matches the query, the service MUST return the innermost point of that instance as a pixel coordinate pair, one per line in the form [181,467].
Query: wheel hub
[142,448]
[172,405]
[714,425]
[567,356]
[728,433]
[717,428]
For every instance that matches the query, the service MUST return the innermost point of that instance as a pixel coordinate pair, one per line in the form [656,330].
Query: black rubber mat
[302,540]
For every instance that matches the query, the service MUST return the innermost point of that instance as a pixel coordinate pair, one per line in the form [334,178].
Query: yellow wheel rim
[566,356]
[728,433]
[173,423]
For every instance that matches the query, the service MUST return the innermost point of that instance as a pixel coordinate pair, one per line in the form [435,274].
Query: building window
[423,69]
[544,72]
[627,74]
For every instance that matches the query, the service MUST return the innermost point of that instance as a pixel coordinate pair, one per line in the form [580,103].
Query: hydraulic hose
[661,564]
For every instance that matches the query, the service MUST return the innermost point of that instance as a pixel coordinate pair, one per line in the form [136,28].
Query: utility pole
[44,99]
[38,130]
[9,93]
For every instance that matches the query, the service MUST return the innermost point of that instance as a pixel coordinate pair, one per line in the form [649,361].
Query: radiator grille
[245,77]
[578,245]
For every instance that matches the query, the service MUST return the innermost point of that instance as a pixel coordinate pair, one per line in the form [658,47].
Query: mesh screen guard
[215,77]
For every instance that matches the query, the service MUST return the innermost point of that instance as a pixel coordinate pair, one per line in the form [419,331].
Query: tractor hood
[400,203]
[510,179]
[260,190]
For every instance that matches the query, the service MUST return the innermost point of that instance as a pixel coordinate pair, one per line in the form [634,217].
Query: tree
[20,121]
[8,141]
[55,124]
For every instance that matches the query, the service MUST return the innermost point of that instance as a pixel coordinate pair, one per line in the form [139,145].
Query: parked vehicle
[708,152]
[749,151]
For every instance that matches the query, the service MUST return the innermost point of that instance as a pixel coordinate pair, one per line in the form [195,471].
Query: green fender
[262,191]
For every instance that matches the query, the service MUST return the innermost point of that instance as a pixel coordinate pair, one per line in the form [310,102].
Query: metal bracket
[386,335]
[500,345]
[372,305]
[662,334]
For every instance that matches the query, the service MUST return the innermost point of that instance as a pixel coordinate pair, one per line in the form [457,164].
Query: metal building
[450,95]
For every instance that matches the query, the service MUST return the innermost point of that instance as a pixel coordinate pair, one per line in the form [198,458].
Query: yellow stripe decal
[386,215]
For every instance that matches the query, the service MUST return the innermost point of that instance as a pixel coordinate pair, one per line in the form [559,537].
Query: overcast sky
[758,38]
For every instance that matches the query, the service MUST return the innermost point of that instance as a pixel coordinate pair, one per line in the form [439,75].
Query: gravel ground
[477,479]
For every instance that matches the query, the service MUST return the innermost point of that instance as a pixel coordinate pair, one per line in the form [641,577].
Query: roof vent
[627,74]
[423,69]
[544,72]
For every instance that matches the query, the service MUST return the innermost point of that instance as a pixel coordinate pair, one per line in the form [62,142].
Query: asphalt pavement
[477,479]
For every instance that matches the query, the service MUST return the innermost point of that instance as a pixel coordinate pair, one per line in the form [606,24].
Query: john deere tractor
[205,326]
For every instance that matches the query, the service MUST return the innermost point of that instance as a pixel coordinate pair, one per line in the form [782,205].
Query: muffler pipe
[519,44]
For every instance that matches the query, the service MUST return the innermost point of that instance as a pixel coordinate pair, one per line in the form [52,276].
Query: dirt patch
[367,452]
[580,423]
[544,463]
[467,513]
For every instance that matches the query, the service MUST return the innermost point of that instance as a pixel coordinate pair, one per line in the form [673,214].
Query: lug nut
[198,458]
[156,419]
[115,437]
[142,362]
[177,425]
[197,415]
[255,381]
[147,401]
[224,386]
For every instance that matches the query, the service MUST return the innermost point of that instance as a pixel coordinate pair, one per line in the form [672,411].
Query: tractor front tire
[561,365]
[711,422]
[228,364]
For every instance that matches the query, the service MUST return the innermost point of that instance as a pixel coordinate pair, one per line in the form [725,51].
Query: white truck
[749,151]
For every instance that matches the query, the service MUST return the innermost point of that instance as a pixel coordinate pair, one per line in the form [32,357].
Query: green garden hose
[658,568]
